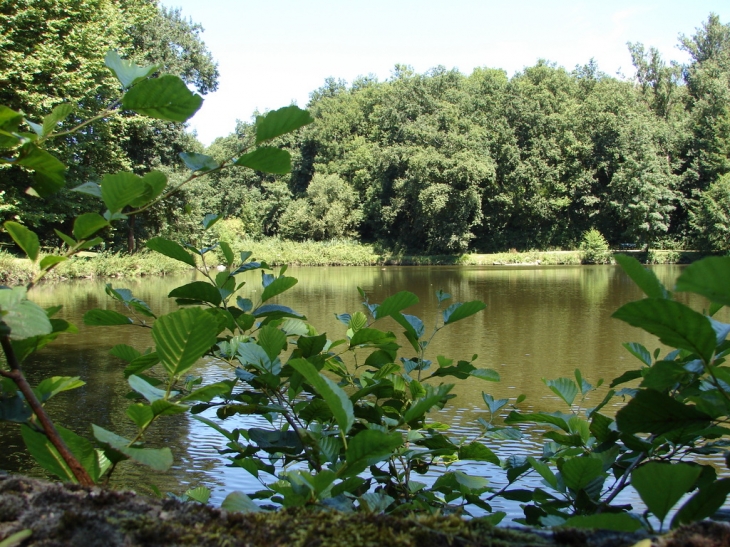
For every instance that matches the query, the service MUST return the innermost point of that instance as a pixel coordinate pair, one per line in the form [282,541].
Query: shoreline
[105,265]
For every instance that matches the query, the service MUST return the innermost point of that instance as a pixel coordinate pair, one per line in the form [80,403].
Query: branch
[16,374]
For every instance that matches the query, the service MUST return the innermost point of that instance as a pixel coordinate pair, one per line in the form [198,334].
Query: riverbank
[39,513]
[276,252]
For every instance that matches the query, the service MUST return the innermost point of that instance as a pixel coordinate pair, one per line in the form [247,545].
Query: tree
[711,217]
[53,52]
[329,210]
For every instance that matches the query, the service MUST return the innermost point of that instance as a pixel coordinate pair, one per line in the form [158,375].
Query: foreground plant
[659,442]
[25,327]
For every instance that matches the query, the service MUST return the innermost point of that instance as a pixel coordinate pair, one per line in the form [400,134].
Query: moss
[65,515]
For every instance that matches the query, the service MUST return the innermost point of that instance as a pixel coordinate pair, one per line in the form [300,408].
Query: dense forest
[439,162]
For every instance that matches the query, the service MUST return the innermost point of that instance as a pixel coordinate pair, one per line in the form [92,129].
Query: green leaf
[9,122]
[372,337]
[198,162]
[705,503]
[45,454]
[675,324]
[201,494]
[654,412]
[421,406]
[485,374]
[579,472]
[157,459]
[395,304]
[68,240]
[88,224]
[210,219]
[141,414]
[145,389]
[153,183]
[272,340]
[280,122]
[121,189]
[105,318]
[17,538]
[708,277]
[183,337]
[478,452]
[227,253]
[267,159]
[618,522]
[544,471]
[127,72]
[163,98]
[369,447]
[459,311]
[171,250]
[278,286]
[209,392]
[197,291]
[638,351]
[49,260]
[311,345]
[239,502]
[539,418]
[141,363]
[91,188]
[660,485]
[25,238]
[645,279]
[49,171]
[24,318]
[335,397]
[564,388]
[55,385]
[125,352]
[58,114]
[460,482]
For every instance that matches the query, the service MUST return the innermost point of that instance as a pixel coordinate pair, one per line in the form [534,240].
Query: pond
[540,322]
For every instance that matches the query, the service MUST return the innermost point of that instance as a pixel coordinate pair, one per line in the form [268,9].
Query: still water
[540,322]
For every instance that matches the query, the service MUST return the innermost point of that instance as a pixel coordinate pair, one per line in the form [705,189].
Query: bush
[594,248]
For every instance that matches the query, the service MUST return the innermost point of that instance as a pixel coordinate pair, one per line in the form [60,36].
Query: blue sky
[276,52]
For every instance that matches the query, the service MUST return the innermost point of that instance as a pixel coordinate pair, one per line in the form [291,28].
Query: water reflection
[539,323]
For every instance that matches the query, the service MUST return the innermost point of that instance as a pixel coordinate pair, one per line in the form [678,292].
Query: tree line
[440,162]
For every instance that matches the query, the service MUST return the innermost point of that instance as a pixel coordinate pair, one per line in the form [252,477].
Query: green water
[540,322]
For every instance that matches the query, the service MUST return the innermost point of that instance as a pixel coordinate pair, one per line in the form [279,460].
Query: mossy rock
[38,513]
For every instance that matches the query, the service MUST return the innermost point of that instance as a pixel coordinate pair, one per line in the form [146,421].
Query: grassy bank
[14,270]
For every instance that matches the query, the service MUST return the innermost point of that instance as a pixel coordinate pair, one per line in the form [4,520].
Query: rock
[60,515]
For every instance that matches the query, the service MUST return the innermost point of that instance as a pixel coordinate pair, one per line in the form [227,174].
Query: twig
[17,376]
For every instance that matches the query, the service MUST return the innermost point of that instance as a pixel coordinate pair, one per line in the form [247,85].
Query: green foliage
[594,248]
[711,217]
[678,409]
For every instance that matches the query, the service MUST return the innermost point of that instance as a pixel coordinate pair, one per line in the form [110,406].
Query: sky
[276,52]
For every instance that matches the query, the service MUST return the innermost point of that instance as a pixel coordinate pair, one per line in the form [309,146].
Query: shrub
[594,248]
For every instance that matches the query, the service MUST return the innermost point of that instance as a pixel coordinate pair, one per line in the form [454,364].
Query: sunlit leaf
[369,447]
[708,277]
[25,238]
[98,318]
[164,98]
[281,121]
[88,224]
[182,337]
[395,304]
[459,311]
[267,159]
[335,397]
[644,278]
[170,249]
[675,324]
[127,72]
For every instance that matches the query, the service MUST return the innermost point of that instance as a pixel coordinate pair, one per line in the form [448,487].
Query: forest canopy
[440,162]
